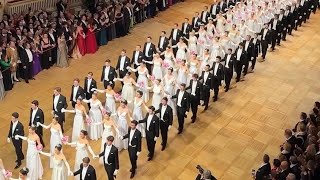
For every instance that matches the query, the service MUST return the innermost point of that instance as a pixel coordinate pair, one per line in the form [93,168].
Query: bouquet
[88,121]
[192,52]
[165,65]
[104,111]
[228,21]
[152,78]
[141,84]
[200,41]
[117,96]
[39,147]
[65,139]
[210,37]
[179,60]
[8,174]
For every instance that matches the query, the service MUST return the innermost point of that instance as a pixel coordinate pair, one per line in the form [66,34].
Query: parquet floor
[229,139]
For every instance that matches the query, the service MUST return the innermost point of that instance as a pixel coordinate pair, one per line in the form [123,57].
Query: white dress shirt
[195,21]
[30,56]
[106,73]
[180,96]
[122,61]
[75,90]
[175,32]
[52,37]
[205,77]
[161,42]
[193,88]
[149,121]
[204,16]
[163,110]
[239,52]
[55,101]
[136,58]
[131,135]
[185,25]
[246,45]
[147,49]
[84,172]
[264,34]
[34,111]
[106,153]
[216,66]
[274,25]
[227,61]
[89,84]
[14,125]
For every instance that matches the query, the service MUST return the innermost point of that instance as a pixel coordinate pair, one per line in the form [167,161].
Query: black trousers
[61,119]
[181,112]
[150,144]
[238,67]
[227,77]
[264,48]
[126,25]
[274,34]
[253,62]
[194,102]
[73,104]
[164,132]
[205,95]
[122,74]
[284,34]
[88,96]
[153,10]
[216,84]
[18,148]
[133,157]
[149,66]
[27,72]
[136,73]
[110,170]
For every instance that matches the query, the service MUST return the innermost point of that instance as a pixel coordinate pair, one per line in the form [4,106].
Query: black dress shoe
[149,158]
[27,81]
[193,120]
[131,170]
[179,132]
[206,108]
[132,175]
[163,148]
[17,166]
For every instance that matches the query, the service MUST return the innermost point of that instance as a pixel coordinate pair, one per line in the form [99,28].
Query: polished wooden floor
[229,139]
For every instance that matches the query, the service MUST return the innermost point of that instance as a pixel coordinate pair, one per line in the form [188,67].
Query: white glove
[169,127]
[115,172]
[138,153]
[128,67]
[63,110]
[121,137]
[95,156]
[251,58]
[8,140]
[70,173]
[16,137]
[186,113]
[93,89]
[38,124]
[155,138]
[211,90]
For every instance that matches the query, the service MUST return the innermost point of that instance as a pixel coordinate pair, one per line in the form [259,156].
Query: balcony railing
[20,6]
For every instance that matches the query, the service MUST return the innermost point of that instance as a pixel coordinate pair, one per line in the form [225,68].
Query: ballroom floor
[229,139]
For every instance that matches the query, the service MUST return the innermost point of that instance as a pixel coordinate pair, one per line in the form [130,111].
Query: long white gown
[59,171]
[138,115]
[201,42]
[80,154]
[168,61]
[157,96]
[33,162]
[169,89]
[220,26]
[181,53]
[123,130]
[110,105]
[128,91]
[78,125]
[182,76]
[2,173]
[106,133]
[142,79]
[55,139]
[192,45]
[95,114]
[204,61]
[210,31]
[157,70]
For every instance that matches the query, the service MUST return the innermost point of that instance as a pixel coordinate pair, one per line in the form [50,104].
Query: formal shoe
[193,120]
[149,155]
[149,158]
[163,148]
[17,166]
[16,80]
[179,132]
[132,175]
[206,108]
[130,170]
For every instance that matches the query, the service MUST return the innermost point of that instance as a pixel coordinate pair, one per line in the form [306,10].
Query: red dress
[91,41]
[81,43]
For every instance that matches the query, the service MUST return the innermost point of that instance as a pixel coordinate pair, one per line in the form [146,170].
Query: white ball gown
[80,154]
[55,139]
[157,70]
[128,92]
[182,76]
[2,173]
[201,42]
[123,130]
[33,162]
[157,96]
[78,125]
[169,89]
[95,131]
[106,133]
[138,115]
[192,45]
[59,171]
[143,80]
[110,105]
[181,53]
[168,62]
[205,59]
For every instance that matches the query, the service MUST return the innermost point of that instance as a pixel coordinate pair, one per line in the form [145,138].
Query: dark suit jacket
[140,57]
[23,56]
[267,37]
[62,103]
[113,157]
[250,50]
[125,65]
[263,172]
[243,57]
[224,6]
[168,114]
[230,65]
[185,99]
[153,127]
[199,177]
[198,89]
[80,93]
[278,26]
[196,23]
[165,44]
[39,117]
[188,28]
[151,51]
[220,72]
[206,16]
[136,139]
[208,84]
[19,130]
[90,175]
[179,34]
[60,6]
[112,73]
[92,85]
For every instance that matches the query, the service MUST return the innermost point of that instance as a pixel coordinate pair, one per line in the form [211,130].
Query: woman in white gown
[169,89]
[157,66]
[205,59]
[229,20]
[169,59]
[122,112]
[81,145]
[33,161]
[95,115]
[110,129]
[210,30]
[202,40]
[23,174]
[192,43]
[182,73]
[158,91]
[128,91]
[56,136]
[216,50]
[182,48]
[142,80]
[61,168]
[78,121]
[110,104]
[194,66]
[137,113]
[252,25]
[220,23]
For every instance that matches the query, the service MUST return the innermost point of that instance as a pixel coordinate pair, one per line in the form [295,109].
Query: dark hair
[124,101]
[164,32]
[58,147]
[84,132]
[76,79]
[140,92]
[32,128]
[56,118]
[165,98]
[219,57]
[208,65]
[123,50]
[276,162]
[86,160]
[110,138]
[303,115]
[170,69]
[91,73]
[149,37]
[108,60]
[134,122]
[24,171]
[128,73]
[35,102]
[195,76]
[183,84]
[152,108]
[58,89]
[15,115]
